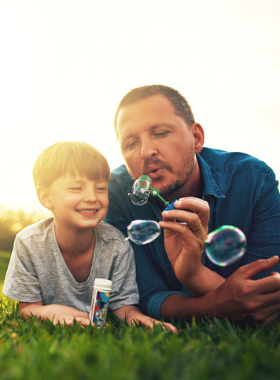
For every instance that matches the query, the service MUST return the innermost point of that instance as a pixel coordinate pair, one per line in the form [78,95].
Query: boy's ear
[43,197]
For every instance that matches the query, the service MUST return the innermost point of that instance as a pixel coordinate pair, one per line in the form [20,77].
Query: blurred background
[65,65]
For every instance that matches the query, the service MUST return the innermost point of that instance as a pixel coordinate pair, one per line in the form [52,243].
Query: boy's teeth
[87,211]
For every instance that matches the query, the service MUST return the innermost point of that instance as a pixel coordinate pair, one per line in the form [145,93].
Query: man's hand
[185,230]
[242,298]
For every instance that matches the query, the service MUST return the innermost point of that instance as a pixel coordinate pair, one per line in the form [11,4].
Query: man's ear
[43,197]
[198,133]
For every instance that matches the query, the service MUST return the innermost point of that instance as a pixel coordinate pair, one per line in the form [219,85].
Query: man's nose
[148,149]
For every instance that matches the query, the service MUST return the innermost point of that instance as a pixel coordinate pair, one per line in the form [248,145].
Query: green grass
[4,260]
[201,350]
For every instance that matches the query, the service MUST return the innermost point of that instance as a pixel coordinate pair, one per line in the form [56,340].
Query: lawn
[201,350]
[4,260]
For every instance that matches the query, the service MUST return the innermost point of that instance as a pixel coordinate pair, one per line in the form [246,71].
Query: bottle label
[99,307]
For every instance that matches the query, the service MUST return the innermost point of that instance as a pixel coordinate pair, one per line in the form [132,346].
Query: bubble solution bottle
[100,301]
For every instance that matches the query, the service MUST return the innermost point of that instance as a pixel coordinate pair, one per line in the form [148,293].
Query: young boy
[55,261]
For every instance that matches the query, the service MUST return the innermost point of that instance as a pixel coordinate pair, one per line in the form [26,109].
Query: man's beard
[184,173]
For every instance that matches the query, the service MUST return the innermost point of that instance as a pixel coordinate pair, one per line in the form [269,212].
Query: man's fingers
[253,269]
[190,219]
[266,314]
[193,204]
[175,227]
[268,284]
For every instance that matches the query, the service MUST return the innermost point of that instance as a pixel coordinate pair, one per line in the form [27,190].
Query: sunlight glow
[64,66]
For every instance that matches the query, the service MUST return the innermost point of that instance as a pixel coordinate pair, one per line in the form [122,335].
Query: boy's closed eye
[77,188]
[101,189]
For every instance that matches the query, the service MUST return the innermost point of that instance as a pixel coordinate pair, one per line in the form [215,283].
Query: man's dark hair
[180,104]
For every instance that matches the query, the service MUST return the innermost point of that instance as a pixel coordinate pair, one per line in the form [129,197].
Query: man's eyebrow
[158,126]
[152,128]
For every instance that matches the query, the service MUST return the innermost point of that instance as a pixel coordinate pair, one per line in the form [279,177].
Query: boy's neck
[74,242]
[77,249]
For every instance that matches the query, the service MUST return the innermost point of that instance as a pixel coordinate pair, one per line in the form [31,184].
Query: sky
[65,65]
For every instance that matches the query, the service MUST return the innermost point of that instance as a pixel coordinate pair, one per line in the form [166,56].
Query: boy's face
[78,202]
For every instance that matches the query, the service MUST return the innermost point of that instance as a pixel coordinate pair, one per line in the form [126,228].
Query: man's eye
[161,133]
[130,145]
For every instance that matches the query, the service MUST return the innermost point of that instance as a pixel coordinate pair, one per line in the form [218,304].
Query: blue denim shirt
[241,191]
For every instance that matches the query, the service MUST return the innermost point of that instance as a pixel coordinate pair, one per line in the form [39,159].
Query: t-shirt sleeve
[21,282]
[124,288]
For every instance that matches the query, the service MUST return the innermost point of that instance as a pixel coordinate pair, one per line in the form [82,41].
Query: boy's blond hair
[69,156]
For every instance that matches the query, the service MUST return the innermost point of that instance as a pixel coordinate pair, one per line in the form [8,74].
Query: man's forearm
[238,297]
[179,304]
[203,282]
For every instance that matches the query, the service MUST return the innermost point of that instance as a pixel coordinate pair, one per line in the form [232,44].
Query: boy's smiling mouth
[87,211]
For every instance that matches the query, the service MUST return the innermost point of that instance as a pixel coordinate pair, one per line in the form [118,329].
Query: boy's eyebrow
[80,180]
[70,181]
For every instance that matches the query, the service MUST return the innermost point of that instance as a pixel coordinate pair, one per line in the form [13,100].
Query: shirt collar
[209,184]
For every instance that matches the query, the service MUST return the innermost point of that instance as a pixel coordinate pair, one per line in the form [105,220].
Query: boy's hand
[64,315]
[133,315]
[151,322]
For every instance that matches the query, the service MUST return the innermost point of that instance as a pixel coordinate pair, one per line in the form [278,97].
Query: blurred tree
[13,221]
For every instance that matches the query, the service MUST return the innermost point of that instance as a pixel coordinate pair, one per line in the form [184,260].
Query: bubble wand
[141,191]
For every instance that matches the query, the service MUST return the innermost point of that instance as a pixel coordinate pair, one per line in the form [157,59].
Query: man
[159,137]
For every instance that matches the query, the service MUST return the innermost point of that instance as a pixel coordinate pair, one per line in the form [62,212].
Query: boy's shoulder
[107,231]
[40,228]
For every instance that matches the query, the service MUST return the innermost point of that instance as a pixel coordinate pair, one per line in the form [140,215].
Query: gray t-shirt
[38,272]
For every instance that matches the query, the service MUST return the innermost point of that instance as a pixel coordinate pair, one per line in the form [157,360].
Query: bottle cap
[102,284]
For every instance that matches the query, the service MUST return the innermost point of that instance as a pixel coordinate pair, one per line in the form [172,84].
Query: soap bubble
[140,191]
[143,231]
[225,245]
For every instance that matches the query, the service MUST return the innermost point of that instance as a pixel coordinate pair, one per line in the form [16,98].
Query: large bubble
[143,231]
[225,245]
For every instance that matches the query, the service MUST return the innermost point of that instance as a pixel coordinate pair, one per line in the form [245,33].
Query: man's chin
[167,190]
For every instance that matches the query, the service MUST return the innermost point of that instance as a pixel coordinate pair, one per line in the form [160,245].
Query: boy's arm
[64,315]
[131,315]
[185,230]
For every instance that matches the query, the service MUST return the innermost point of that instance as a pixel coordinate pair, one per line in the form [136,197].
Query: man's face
[157,142]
